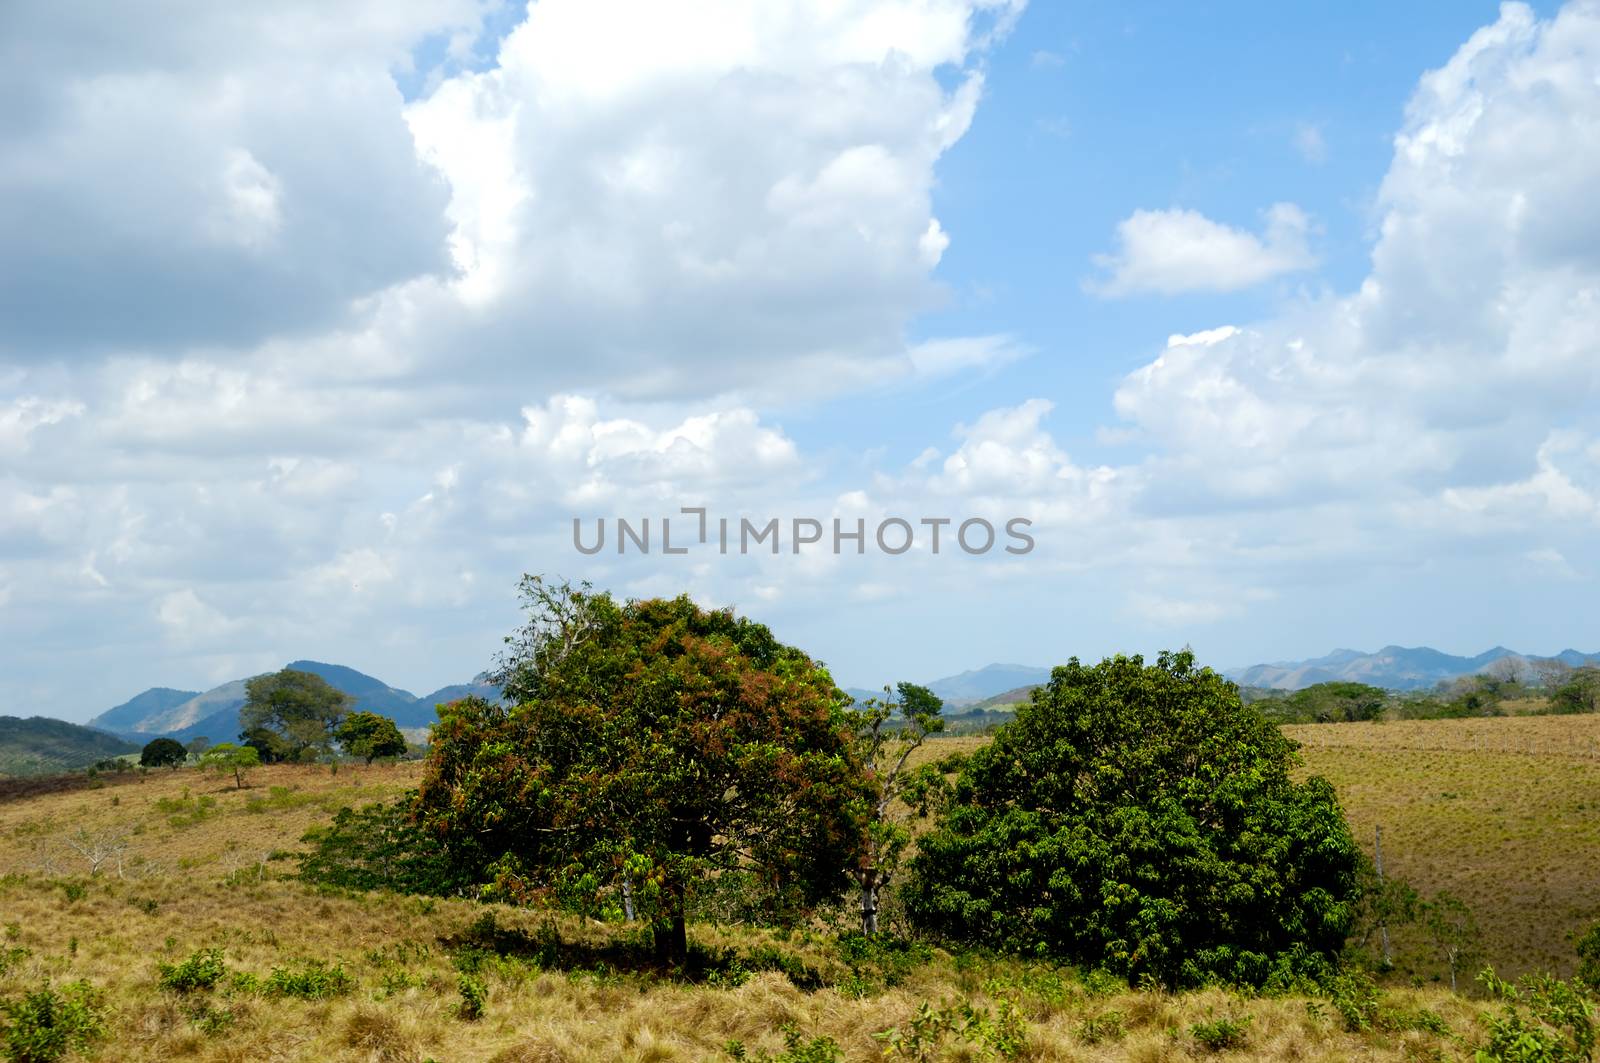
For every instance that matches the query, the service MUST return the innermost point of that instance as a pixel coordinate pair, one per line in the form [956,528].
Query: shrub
[1589,957]
[1542,1020]
[1107,1026]
[202,970]
[1221,1034]
[474,997]
[45,1024]
[1142,818]
[312,981]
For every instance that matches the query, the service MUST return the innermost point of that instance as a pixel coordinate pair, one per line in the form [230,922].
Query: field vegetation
[675,841]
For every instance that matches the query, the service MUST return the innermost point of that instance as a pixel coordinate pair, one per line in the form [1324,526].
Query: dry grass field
[1503,812]
[1503,816]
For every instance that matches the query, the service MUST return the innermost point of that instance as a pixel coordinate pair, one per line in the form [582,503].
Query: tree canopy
[1142,819]
[163,753]
[370,736]
[291,715]
[226,757]
[657,743]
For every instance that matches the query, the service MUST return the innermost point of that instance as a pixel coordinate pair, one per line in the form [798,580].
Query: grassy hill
[39,745]
[1499,810]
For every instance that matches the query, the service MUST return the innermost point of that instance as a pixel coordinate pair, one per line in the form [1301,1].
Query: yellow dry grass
[1503,812]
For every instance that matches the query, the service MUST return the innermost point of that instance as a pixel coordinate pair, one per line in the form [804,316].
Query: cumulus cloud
[1168,252]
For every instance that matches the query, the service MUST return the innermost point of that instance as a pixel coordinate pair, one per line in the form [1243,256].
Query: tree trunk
[627,898]
[869,902]
[672,941]
[671,932]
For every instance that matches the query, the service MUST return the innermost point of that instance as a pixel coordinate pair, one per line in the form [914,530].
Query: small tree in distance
[163,753]
[886,743]
[370,736]
[225,757]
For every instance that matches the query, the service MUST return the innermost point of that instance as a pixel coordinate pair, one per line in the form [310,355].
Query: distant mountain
[180,717]
[39,746]
[214,714]
[1394,667]
[1014,696]
[132,713]
[971,687]
[428,703]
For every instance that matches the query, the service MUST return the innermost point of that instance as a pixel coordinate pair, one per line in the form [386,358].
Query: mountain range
[1397,667]
[214,713]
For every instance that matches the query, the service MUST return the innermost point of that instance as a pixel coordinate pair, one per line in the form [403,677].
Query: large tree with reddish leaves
[657,744]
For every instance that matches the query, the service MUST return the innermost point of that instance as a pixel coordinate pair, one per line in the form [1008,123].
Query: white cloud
[1169,252]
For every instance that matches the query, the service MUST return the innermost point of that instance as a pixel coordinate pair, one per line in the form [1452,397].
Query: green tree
[659,744]
[1580,693]
[1588,947]
[225,757]
[197,746]
[370,736]
[1142,819]
[888,732]
[163,753]
[1454,931]
[291,715]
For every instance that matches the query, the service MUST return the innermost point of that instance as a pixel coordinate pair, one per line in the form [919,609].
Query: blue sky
[320,326]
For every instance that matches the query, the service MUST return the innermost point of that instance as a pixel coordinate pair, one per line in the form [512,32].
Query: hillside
[39,745]
[203,865]
[1396,667]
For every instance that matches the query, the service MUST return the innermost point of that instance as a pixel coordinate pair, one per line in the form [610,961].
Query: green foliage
[380,847]
[1588,948]
[163,753]
[1337,702]
[1001,1034]
[661,743]
[1387,902]
[474,997]
[310,981]
[41,746]
[1542,1020]
[201,971]
[1221,1034]
[1143,819]
[796,1049]
[1357,999]
[225,757]
[44,1025]
[370,736]
[1579,694]
[888,731]
[291,715]
[1454,931]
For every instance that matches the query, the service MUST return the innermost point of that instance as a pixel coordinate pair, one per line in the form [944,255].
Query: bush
[1589,957]
[474,997]
[45,1025]
[202,970]
[1145,820]
[1221,1034]
[1542,1020]
[312,981]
